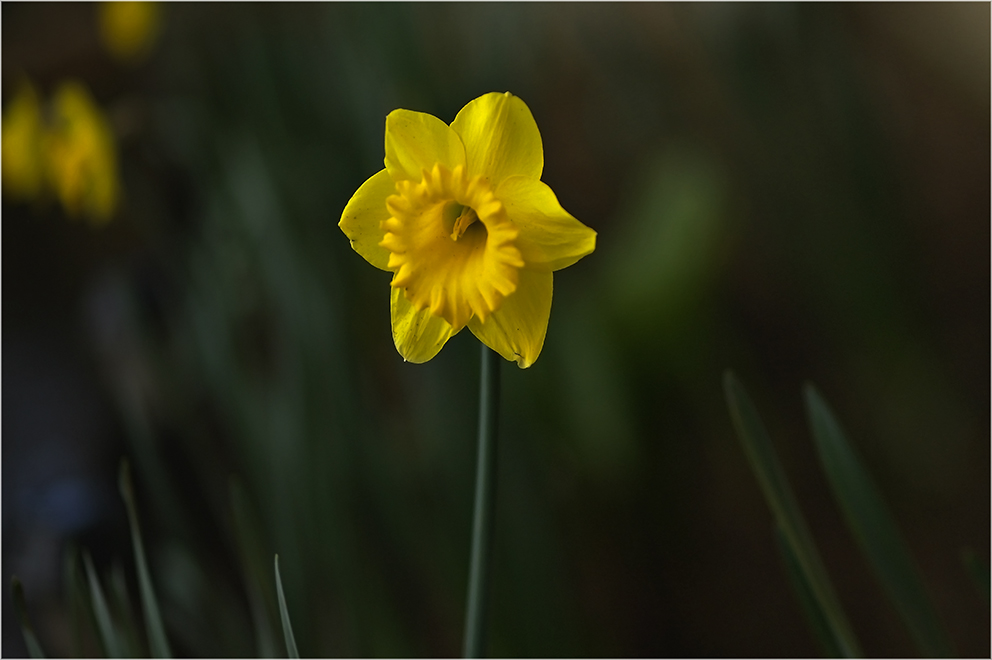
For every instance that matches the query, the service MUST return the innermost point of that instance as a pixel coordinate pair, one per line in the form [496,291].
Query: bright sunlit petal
[363,216]
[517,329]
[501,138]
[418,334]
[415,141]
[550,238]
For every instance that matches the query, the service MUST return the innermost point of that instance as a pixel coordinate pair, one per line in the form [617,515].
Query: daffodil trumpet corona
[471,234]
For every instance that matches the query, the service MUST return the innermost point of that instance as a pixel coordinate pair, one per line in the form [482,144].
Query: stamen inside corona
[452,245]
[463,222]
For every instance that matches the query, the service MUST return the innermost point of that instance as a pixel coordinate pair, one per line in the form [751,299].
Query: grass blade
[75,597]
[120,608]
[979,572]
[21,609]
[108,633]
[778,494]
[157,641]
[874,528]
[287,627]
[815,615]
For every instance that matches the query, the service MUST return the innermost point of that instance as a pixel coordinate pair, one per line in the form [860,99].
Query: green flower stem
[485,505]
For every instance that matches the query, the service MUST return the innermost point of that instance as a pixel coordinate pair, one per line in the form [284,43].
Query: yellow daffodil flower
[129,29]
[461,218]
[81,155]
[21,153]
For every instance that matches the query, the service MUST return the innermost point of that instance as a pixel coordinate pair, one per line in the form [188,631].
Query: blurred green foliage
[796,191]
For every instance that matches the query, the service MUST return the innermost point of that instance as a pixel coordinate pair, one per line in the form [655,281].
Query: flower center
[452,245]
[463,217]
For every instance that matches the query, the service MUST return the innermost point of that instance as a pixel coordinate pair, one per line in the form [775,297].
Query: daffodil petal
[501,138]
[363,216]
[418,335]
[23,170]
[550,237]
[81,155]
[517,329]
[416,141]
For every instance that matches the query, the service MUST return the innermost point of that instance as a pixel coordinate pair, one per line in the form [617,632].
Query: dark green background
[797,192]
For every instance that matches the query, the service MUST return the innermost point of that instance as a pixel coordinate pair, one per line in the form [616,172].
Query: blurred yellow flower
[81,156]
[129,29]
[461,218]
[21,152]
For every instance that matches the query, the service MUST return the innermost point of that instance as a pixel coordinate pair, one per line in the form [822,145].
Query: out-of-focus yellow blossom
[461,218]
[81,156]
[22,133]
[129,29]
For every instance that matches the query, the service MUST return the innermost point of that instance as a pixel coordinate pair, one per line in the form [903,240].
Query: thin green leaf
[157,641]
[108,632]
[815,615]
[123,612]
[875,529]
[778,494]
[287,627]
[75,597]
[979,572]
[85,631]
[21,609]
